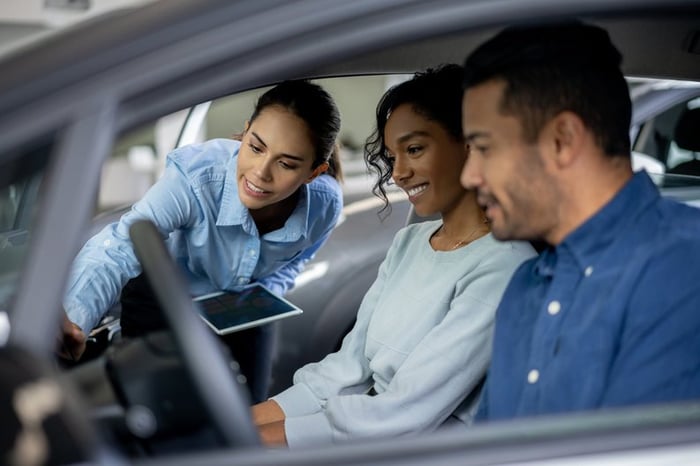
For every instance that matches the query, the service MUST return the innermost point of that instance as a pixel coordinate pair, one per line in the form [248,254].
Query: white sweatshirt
[422,340]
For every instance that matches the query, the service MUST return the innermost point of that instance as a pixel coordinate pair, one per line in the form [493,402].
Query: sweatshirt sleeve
[342,372]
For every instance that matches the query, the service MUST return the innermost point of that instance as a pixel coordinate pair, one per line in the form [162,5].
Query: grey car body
[63,102]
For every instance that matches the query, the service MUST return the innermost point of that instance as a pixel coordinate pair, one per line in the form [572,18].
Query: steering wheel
[227,405]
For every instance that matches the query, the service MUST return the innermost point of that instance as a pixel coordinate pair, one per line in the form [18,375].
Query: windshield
[683,188]
[19,191]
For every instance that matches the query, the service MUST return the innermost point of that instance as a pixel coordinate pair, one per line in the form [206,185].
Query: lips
[487,202]
[253,190]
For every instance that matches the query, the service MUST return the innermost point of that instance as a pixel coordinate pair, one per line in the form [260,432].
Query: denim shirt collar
[603,228]
[233,212]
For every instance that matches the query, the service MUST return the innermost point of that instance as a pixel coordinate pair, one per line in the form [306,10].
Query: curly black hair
[436,94]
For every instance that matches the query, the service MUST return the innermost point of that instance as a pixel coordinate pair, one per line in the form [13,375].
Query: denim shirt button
[554,308]
[533,376]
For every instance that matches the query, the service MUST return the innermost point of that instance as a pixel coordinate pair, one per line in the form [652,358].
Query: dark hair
[435,94]
[555,68]
[316,107]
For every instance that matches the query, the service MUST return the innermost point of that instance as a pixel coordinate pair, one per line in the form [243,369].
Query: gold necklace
[464,241]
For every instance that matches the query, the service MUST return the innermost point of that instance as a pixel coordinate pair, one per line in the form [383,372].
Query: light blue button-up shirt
[195,206]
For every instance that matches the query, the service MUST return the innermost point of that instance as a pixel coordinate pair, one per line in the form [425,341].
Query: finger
[76,333]
[63,351]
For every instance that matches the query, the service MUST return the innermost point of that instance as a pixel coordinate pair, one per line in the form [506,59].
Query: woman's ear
[317,171]
[246,126]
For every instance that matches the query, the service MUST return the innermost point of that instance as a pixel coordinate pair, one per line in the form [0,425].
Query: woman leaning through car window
[232,212]
[421,343]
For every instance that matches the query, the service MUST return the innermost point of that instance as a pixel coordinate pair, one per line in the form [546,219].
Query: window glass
[20,187]
[657,136]
[139,156]
[129,172]
[677,153]
[9,202]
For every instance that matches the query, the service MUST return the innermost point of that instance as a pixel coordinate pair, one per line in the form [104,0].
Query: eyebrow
[410,135]
[298,158]
[469,137]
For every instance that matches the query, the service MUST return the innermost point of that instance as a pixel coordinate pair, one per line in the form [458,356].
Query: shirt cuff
[273,285]
[81,317]
[297,400]
[310,430]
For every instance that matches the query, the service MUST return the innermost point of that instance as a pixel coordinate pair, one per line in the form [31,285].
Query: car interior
[687,137]
[175,397]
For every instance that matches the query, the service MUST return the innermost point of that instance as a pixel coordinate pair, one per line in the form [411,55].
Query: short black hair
[554,68]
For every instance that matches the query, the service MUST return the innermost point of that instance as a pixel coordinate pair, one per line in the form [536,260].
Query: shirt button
[588,271]
[252,253]
[533,376]
[242,281]
[107,242]
[554,308]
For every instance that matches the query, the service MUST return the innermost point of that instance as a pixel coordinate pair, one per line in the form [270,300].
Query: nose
[263,168]
[471,177]
[400,170]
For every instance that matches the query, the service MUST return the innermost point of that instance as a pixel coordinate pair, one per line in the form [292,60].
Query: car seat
[687,137]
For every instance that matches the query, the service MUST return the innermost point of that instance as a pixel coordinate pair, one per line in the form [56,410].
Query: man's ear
[566,135]
[317,171]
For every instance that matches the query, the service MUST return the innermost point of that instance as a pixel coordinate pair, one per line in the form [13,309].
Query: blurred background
[139,156]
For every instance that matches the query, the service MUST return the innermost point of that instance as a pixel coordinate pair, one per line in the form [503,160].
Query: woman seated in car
[420,347]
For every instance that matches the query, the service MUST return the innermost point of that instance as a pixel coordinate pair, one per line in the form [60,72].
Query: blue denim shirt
[196,208]
[609,317]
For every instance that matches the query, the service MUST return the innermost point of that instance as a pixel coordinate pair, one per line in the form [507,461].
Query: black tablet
[231,311]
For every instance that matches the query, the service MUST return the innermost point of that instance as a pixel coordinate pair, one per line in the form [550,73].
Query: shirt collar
[297,224]
[544,265]
[598,232]
[233,212]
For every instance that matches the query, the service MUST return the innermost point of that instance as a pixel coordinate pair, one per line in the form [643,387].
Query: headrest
[687,132]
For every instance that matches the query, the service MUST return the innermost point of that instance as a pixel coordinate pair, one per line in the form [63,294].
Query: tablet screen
[231,311]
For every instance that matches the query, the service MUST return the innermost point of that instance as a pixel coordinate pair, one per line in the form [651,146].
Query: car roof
[165,56]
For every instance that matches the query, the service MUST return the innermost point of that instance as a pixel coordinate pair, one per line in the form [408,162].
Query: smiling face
[511,177]
[427,161]
[275,158]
